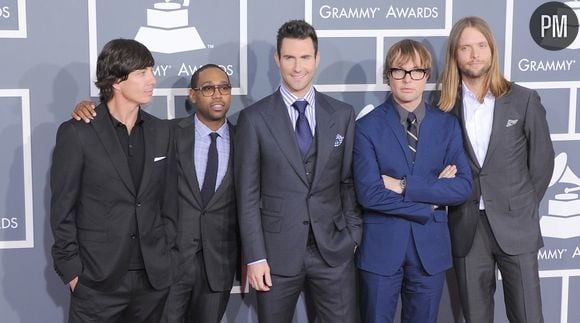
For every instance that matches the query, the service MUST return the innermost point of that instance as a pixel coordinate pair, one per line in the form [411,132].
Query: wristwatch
[403,184]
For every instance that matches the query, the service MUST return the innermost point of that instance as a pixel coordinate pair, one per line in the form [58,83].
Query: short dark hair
[297,29]
[195,76]
[116,61]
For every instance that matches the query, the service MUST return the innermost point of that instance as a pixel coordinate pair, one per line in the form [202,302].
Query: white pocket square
[338,140]
[511,122]
[156,159]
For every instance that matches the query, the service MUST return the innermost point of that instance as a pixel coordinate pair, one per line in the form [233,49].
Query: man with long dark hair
[113,208]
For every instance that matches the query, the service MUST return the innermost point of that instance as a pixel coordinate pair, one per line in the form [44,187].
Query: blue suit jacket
[391,219]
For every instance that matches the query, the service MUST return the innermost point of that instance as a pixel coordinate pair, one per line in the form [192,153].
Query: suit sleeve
[540,149]
[247,183]
[65,180]
[169,210]
[350,206]
[370,189]
[444,191]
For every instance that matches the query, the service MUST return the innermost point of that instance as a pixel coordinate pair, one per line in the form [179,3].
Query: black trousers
[134,301]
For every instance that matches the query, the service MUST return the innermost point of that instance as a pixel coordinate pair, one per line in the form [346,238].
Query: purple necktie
[303,133]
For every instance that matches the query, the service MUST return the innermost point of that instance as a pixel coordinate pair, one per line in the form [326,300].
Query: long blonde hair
[450,79]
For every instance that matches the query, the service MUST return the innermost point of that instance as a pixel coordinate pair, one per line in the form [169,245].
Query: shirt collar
[290,98]
[403,114]
[467,92]
[116,123]
[202,130]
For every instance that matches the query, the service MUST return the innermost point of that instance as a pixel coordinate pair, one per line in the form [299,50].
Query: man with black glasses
[408,164]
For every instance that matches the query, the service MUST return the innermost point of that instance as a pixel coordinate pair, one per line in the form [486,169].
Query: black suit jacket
[276,203]
[95,207]
[214,226]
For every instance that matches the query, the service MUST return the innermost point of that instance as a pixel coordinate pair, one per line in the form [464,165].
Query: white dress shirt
[478,117]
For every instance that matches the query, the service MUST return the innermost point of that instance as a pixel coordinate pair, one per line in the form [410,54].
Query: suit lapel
[227,177]
[325,135]
[106,133]
[394,122]
[277,120]
[149,140]
[499,117]
[459,112]
[185,137]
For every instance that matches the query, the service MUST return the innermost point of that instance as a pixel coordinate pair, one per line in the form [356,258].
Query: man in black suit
[208,230]
[208,226]
[113,207]
[299,221]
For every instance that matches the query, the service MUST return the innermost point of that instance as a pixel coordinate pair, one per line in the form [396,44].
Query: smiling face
[211,110]
[408,93]
[137,89]
[297,61]
[473,54]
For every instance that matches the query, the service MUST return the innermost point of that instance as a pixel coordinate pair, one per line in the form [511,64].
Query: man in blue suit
[408,164]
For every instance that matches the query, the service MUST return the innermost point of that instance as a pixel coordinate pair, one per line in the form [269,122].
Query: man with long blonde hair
[510,153]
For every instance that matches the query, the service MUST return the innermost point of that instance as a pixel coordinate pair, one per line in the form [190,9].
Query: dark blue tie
[209,180]
[303,133]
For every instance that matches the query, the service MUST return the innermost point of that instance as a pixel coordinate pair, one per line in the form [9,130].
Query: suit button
[133,236]
[138,204]
[305,222]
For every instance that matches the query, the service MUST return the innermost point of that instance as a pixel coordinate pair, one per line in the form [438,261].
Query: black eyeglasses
[416,74]
[209,90]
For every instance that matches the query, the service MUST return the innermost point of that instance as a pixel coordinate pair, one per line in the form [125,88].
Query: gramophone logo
[168,30]
[563,219]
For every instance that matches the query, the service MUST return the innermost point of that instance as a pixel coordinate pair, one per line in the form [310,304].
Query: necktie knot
[412,119]
[300,106]
[213,136]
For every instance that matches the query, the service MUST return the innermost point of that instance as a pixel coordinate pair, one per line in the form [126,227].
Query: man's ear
[277,58]
[192,96]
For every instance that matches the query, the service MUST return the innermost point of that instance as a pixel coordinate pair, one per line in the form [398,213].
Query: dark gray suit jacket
[95,208]
[276,203]
[513,178]
[214,226]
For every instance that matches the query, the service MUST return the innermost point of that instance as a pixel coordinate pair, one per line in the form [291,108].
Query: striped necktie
[412,133]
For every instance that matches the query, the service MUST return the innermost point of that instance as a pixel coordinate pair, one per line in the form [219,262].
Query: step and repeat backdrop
[48,51]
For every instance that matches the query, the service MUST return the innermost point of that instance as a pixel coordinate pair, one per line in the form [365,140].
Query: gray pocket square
[511,122]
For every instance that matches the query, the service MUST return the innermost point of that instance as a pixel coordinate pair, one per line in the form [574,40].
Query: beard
[468,72]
